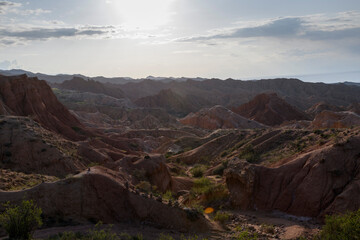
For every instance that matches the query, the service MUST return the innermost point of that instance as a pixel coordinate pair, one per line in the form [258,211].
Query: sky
[240,39]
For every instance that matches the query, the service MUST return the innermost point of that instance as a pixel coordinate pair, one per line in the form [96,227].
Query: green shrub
[245,235]
[220,169]
[101,234]
[341,227]
[165,237]
[144,186]
[222,217]
[168,196]
[20,221]
[267,228]
[195,237]
[67,236]
[202,186]
[249,154]
[197,171]
[76,129]
[211,193]
[98,233]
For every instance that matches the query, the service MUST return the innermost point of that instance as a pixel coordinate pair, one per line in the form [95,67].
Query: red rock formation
[218,117]
[27,147]
[321,182]
[321,106]
[25,96]
[101,195]
[269,109]
[149,167]
[329,119]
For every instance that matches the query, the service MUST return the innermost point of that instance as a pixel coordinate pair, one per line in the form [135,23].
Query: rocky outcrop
[209,150]
[151,168]
[27,147]
[322,106]
[323,181]
[101,195]
[329,119]
[218,117]
[269,109]
[25,96]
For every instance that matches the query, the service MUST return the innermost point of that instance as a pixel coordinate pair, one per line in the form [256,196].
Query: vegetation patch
[341,227]
[250,154]
[222,217]
[20,221]
[198,171]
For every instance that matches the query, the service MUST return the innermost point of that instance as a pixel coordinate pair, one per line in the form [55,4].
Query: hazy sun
[144,14]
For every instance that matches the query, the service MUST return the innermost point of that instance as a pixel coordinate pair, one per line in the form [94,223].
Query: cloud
[6,5]
[314,27]
[17,8]
[334,34]
[36,12]
[9,36]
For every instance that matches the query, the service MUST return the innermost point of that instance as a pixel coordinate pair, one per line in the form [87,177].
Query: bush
[250,154]
[194,237]
[101,234]
[267,228]
[344,227]
[222,217]
[20,221]
[197,171]
[98,233]
[165,237]
[168,196]
[202,186]
[245,235]
[144,186]
[220,169]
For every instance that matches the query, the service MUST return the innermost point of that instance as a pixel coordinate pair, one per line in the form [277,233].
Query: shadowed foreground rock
[101,195]
[320,182]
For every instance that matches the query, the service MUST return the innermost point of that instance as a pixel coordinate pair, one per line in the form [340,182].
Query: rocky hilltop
[322,106]
[269,109]
[218,117]
[24,96]
[330,119]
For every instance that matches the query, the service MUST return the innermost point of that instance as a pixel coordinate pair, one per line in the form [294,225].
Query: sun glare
[144,14]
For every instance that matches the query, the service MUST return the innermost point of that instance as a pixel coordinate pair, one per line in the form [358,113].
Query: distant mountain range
[59,78]
[342,77]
